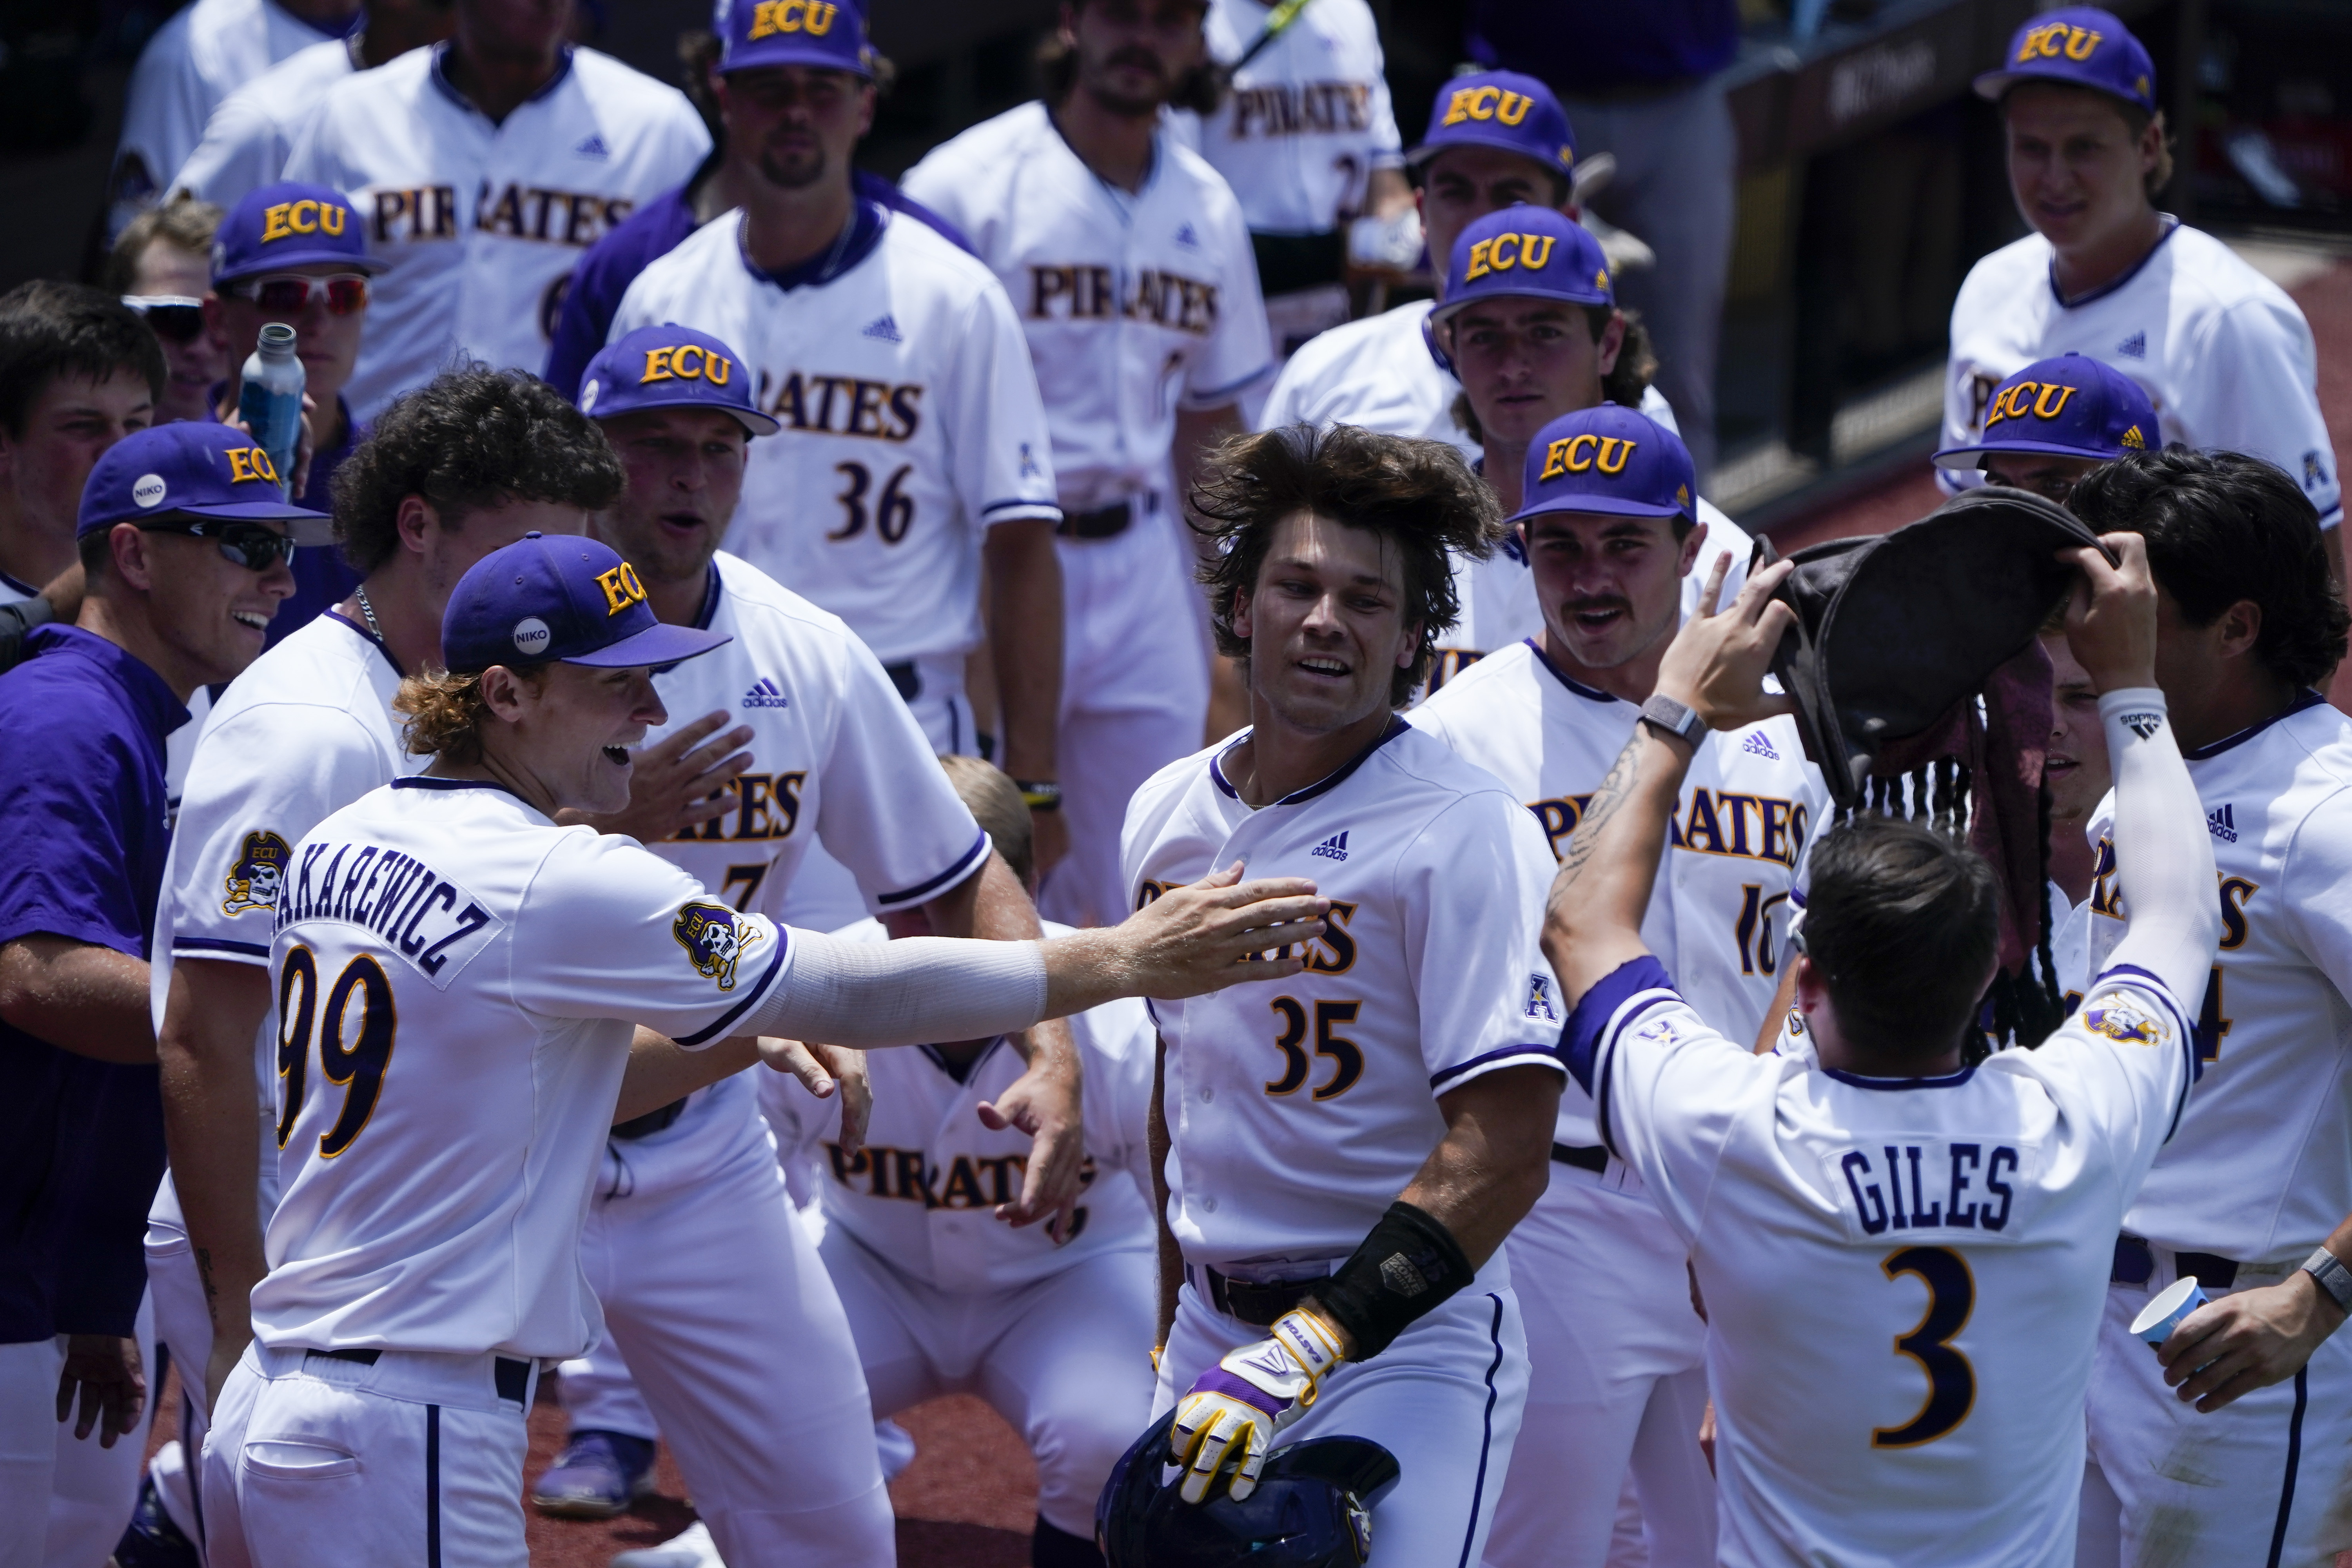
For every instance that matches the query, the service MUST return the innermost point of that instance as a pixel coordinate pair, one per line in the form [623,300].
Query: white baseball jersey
[249,137]
[2262,1167]
[481,223]
[192,64]
[457,979]
[922,1191]
[1720,912]
[1297,1110]
[1905,1275]
[307,729]
[2221,350]
[1306,122]
[1134,303]
[912,422]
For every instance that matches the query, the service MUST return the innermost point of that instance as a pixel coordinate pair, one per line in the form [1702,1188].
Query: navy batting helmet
[1311,1508]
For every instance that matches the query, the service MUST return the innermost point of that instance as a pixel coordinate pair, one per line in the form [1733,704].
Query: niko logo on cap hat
[686,362]
[1586,452]
[150,490]
[813,18]
[588,398]
[531,636]
[1488,103]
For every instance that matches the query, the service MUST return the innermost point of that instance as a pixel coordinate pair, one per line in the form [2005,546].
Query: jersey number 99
[351,1055]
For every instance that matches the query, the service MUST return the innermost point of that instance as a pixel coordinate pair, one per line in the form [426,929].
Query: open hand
[676,783]
[2247,1340]
[2111,617]
[1045,1103]
[103,1372]
[1717,664]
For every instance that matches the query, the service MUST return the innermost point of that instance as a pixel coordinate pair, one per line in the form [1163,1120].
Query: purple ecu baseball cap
[829,34]
[2080,46]
[290,224]
[560,598]
[1504,109]
[193,469]
[2071,407]
[670,367]
[1609,459]
[1529,251]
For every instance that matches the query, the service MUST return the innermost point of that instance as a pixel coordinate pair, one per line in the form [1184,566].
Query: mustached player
[690,1242]
[457,979]
[1904,1259]
[1128,260]
[1347,1149]
[1615,1351]
[483,167]
[2260,1173]
[2225,356]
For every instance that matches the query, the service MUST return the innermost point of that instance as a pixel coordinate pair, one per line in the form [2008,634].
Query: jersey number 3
[353,1052]
[1951,1381]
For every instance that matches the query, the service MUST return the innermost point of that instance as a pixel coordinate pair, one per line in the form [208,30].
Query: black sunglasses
[174,318]
[250,545]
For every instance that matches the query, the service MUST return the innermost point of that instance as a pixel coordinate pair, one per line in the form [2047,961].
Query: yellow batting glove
[1235,1408]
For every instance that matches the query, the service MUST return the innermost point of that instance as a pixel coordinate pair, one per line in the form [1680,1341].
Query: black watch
[1674,719]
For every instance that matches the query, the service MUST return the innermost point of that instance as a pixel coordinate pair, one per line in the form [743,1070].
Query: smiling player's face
[566,736]
[2076,763]
[1611,587]
[686,473]
[2075,166]
[1326,623]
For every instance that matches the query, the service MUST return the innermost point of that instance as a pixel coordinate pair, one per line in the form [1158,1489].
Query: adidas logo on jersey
[2134,346]
[1332,849]
[592,148]
[1185,237]
[2221,822]
[885,328]
[1757,745]
[765,693]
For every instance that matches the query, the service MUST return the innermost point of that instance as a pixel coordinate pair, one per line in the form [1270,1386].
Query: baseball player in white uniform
[2260,1173]
[1615,1351]
[1296,1116]
[2225,356]
[1304,135]
[307,731]
[194,62]
[481,184]
[1128,260]
[472,1044]
[1051,1328]
[1900,1255]
[690,1242]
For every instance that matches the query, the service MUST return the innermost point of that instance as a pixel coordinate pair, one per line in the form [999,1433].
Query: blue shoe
[153,1540]
[597,1476]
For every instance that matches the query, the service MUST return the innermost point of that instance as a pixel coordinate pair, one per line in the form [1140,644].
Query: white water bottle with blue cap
[269,400]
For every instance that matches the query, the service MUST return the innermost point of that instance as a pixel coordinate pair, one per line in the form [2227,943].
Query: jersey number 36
[353,1051]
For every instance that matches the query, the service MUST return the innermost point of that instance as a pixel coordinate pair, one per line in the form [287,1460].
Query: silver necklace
[368,610]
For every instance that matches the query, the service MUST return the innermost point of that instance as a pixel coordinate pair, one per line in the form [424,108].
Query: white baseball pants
[95,1488]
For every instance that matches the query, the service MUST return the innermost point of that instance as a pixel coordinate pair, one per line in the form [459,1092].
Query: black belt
[1595,1158]
[1258,1305]
[906,678]
[1109,523]
[2135,1263]
[513,1376]
[651,1122]
[1287,263]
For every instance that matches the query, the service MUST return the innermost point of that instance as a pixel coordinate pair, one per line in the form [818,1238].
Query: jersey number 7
[358,1066]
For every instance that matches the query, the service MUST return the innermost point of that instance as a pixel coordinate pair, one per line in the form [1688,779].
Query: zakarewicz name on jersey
[1298,1109]
[922,1191]
[2221,350]
[457,980]
[2262,1167]
[1918,1265]
[1719,913]
[1134,305]
[481,222]
[835,757]
[912,422]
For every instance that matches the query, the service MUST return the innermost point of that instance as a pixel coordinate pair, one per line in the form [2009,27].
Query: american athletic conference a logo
[259,876]
[715,938]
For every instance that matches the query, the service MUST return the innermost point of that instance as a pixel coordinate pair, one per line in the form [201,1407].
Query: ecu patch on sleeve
[715,938]
[258,875]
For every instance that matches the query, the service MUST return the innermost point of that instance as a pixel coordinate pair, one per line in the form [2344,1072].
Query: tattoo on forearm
[1625,774]
[212,1292]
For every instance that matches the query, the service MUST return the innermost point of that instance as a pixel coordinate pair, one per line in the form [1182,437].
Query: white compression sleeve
[922,989]
[2162,853]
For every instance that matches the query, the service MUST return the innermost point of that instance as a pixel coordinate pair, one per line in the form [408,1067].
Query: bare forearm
[1494,1162]
[661,1070]
[1025,634]
[1002,912]
[211,1127]
[79,997]
[1171,1258]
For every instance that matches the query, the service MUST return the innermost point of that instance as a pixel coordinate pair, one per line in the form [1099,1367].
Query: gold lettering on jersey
[576,218]
[1583,453]
[621,587]
[1711,822]
[813,18]
[1488,103]
[249,463]
[2056,41]
[967,1182]
[687,362]
[878,410]
[300,217]
[1301,108]
[1333,953]
[2043,400]
[1169,300]
[767,805]
[1506,251]
[430,212]
[2236,892]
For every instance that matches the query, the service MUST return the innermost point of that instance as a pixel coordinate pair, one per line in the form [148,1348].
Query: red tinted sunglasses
[290,293]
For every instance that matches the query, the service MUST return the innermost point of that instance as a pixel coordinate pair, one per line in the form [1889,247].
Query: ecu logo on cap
[1506,251]
[687,361]
[289,219]
[259,876]
[2041,399]
[1585,452]
[247,464]
[621,587]
[1488,103]
[715,938]
[813,18]
[2058,40]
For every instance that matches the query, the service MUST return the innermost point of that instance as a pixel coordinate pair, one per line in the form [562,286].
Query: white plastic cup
[2160,1317]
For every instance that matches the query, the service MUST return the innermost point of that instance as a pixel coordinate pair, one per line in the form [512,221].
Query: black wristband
[1407,1268]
